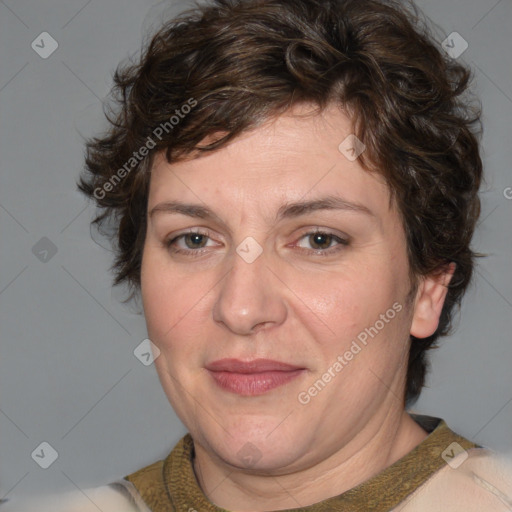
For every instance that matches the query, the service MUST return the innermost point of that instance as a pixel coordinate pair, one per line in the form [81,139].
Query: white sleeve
[477,481]
[116,497]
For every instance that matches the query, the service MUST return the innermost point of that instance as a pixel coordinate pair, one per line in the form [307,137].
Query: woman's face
[278,247]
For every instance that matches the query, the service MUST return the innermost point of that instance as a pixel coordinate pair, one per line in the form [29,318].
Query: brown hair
[226,67]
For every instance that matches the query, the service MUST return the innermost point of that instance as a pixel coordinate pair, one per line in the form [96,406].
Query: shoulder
[478,480]
[116,497]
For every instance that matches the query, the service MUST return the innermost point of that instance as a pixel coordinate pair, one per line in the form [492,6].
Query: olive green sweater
[170,485]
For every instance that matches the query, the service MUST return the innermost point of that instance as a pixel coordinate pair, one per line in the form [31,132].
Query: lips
[251,378]
[254,366]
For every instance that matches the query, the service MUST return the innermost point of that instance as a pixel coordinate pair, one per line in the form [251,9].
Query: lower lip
[251,384]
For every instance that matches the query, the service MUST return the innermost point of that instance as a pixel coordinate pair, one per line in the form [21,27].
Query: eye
[194,240]
[188,243]
[321,242]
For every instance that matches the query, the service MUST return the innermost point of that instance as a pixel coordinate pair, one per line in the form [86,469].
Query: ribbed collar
[379,493]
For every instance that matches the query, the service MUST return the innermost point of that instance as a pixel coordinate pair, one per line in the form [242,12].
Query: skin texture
[298,302]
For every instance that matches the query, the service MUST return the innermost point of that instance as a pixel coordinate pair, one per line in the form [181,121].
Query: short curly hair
[226,67]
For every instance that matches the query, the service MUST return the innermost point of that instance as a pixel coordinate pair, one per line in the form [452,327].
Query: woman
[295,184]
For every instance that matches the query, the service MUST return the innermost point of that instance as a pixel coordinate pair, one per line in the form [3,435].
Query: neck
[376,447]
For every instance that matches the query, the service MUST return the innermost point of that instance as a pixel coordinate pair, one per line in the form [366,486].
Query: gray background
[68,373]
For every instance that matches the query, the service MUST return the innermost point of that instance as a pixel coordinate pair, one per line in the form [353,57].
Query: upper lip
[254,366]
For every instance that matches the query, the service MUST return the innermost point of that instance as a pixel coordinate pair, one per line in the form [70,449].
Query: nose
[250,298]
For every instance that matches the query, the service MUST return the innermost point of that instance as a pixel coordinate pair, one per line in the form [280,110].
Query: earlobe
[429,302]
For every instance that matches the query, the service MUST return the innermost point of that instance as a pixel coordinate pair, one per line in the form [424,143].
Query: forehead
[301,154]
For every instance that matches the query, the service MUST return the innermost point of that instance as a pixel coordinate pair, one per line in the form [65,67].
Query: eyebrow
[288,210]
[299,208]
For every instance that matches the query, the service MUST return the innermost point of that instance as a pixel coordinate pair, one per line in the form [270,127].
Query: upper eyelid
[307,231]
[325,231]
[192,231]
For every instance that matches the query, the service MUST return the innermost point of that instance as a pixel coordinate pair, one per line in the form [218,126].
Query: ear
[429,301]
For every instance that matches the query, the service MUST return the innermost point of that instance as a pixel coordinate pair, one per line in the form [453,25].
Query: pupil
[320,240]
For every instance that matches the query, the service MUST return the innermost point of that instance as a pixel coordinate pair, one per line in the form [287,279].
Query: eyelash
[341,242]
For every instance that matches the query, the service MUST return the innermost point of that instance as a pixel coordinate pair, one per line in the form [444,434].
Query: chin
[257,449]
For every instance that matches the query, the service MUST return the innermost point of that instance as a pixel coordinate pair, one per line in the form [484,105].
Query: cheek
[177,307]
[345,302]
[342,313]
